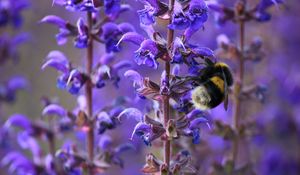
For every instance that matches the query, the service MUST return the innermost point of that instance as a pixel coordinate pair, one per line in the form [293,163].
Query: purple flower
[10,12]
[9,89]
[261,14]
[147,53]
[27,142]
[9,46]
[180,21]
[198,15]
[194,127]
[108,70]
[146,15]
[184,53]
[147,129]
[152,9]
[70,79]
[105,143]
[18,163]
[77,5]
[58,61]
[143,131]
[81,40]
[112,155]
[31,129]
[18,120]
[70,159]
[131,113]
[184,103]
[222,13]
[65,29]
[196,113]
[112,7]
[104,122]
[111,33]
[54,109]
[138,80]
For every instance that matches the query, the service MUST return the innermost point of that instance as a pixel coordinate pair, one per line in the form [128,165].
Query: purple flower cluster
[106,32]
[10,40]
[154,125]
[258,13]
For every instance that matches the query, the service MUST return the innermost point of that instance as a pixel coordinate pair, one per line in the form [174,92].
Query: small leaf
[171,130]
[164,169]
[152,164]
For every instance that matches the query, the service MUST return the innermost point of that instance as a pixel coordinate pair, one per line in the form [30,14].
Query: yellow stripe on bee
[221,64]
[219,82]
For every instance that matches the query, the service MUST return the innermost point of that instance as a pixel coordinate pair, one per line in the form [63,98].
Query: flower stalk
[51,140]
[238,85]
[166,102]
[89,92]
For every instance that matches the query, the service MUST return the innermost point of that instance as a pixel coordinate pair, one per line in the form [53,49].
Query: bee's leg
[182,80]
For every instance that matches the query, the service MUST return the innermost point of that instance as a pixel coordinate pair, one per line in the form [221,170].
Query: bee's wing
[225,91]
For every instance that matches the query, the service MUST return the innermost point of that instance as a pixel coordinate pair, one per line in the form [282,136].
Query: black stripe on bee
[215,93]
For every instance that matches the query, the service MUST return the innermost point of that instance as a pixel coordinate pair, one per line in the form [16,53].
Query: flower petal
[54,109]
[132,37]
[107,58]
[27,142]
[52,19]
[195,114]
[112,7]
[132,113]
[141,129]
[17,83]
[196,123]
[18,120]
[126,27]
[124,147]
[105,142]
[203,51]
[135,77]
[57,60]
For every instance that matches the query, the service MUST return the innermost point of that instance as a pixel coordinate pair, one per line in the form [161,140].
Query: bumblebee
[211,87]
